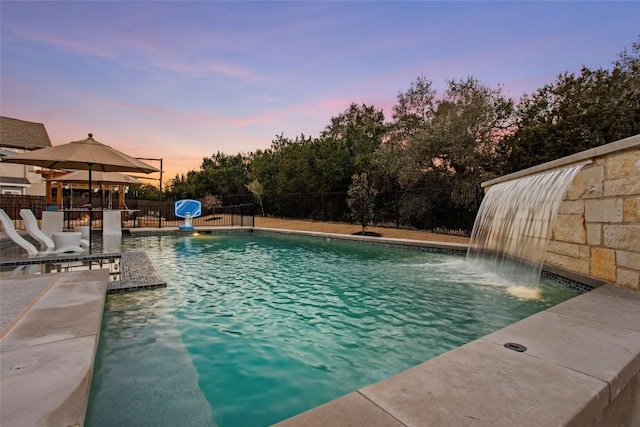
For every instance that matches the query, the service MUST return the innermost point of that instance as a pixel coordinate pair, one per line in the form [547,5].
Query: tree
[415,109]
[577,112]
[258,191]
[625,78]
[263,167]
[182,186]
[361,200]
[211,203]
[333,166]
[223,174]
[218,174]
[393,166]
[295,172]
[358,132]
[144,191]
[457,137]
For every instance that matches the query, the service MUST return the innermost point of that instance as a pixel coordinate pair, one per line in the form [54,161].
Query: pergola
[81,178]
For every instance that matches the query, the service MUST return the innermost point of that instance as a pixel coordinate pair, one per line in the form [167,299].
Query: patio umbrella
[99,177]
[87,154]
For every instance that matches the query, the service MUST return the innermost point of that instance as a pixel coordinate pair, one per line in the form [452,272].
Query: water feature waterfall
[513,226]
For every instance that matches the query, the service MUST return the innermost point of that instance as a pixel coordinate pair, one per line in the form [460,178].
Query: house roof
[16,133]
[13,180]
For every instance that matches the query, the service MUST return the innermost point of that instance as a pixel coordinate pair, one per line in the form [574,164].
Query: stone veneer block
[622,187]
[569,263]
[594,234]
[562,248]
[631,210]
[572,207]
[628,278]
[622,237]
[628,259]
[587,184]
[483,383]
[623,164]
[585,252]
[603,264]
[570,228]
[603,210]
[585,346]
[350,410]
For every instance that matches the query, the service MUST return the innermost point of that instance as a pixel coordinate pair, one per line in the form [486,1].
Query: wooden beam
[59,195]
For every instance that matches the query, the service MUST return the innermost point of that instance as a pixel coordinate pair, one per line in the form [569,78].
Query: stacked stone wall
[597,231]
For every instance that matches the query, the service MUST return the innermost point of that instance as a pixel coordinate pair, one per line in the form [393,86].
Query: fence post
[160,199]
[397,209]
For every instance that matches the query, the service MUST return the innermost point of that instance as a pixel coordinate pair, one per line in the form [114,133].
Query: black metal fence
[135,214]
[439,209]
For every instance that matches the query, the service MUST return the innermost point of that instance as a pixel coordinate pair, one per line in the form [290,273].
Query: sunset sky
[183,80]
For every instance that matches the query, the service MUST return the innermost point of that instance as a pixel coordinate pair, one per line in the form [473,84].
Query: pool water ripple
[274,325]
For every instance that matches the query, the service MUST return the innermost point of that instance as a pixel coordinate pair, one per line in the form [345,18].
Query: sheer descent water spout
[514,223]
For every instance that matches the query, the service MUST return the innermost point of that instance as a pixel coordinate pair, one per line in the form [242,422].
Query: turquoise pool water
[254,327]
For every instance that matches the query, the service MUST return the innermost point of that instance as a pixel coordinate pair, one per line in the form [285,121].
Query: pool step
[136,273]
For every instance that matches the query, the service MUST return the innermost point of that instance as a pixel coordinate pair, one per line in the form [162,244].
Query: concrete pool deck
[581,367]
[50,331]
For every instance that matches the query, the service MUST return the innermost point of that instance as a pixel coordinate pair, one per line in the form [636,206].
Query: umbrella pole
[90,212]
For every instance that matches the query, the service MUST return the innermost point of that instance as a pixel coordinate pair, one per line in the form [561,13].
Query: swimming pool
[256,327]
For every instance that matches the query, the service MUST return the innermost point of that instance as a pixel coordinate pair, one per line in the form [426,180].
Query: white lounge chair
[53,222]
[111,223]
[111,231]
[10,229]
[46,243]
[26,270]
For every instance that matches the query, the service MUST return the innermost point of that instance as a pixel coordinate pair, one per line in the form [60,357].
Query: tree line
[468,134]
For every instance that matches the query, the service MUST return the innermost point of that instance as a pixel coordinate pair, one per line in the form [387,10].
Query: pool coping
[458,387]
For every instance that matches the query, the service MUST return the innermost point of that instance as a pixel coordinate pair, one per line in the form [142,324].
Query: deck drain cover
[516,347]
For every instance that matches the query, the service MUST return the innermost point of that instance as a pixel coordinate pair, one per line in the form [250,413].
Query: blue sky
[183,80]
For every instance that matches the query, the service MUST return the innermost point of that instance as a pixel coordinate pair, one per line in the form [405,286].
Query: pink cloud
[190,61]
[202,117]
[77,45]
[157,112]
